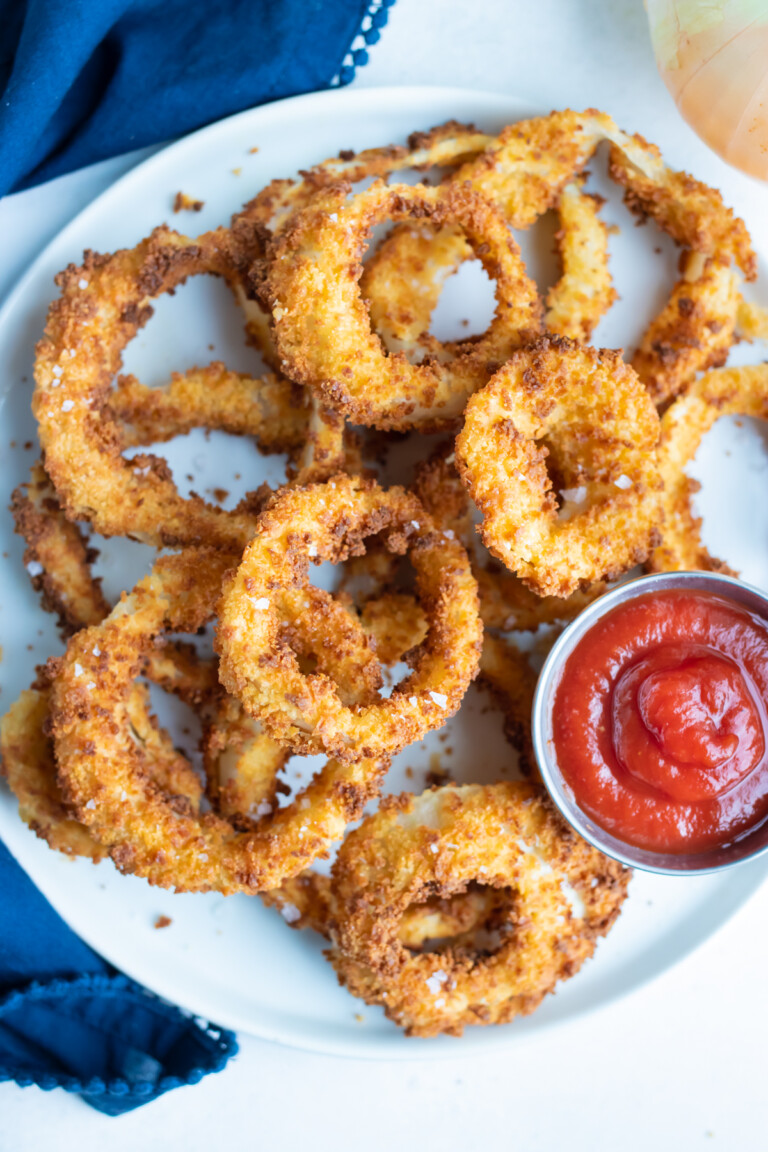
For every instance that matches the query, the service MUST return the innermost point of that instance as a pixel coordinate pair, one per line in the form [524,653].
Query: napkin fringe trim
[220,1043]
[368,34]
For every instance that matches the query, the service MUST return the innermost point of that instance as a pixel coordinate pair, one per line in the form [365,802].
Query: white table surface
[680,1064]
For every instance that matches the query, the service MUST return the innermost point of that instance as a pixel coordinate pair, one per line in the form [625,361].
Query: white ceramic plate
[231,960]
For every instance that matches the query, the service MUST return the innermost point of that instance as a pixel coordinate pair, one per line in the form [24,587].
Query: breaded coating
[695,329]
[583,412]
[729,391]
[104,782]
[321,324]
[309,711]
[564,894]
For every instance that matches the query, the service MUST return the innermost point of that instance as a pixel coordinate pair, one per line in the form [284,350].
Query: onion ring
[584,292]
[505,602]
[29,766]
[526,170]
[269,408]
[729,391]
[102,305]
[98,771]
[694,331]
[330,347]
[307,712]
[566,895]
[602,435]
[403,279]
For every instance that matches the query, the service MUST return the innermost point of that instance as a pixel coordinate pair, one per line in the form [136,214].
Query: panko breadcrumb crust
[562,406]
[566,895]
[306,711]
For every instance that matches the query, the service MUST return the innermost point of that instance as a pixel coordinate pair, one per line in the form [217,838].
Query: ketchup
[660,721]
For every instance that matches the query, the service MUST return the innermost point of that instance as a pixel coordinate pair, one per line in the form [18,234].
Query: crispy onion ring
[57,556]
[403,279]
[307,712]
[270,409]
[506,836]
[601,431]
[69,589]
[505,602]
[730,391]
[102,306]
[694,331]
[532,165]
[584,292]
[29,766]
[102,782]
[322,328]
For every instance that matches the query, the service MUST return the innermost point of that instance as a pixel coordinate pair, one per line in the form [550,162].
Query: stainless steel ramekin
[751,844]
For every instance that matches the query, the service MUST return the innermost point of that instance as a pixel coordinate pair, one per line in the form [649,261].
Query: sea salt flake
[78,669]
[449,534]
[57,370]
[123,795]
[623,482]
[68,405]
[290,913]
[97,651]
[440,1002]
[574,495]
[439,699]
[82,284]
[91,804]
[436,980]
[262,603]
[35,568]
[412,701]
[263,808]
[203,856]
[312,550]
[416,524]
[333,216]
[55,383]
[91,684]
[433,848]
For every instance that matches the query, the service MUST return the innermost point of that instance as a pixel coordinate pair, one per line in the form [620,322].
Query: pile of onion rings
[561,468]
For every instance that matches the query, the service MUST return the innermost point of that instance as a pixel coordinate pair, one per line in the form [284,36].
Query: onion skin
[713,58]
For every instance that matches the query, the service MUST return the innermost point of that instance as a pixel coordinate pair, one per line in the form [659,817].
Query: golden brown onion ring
[506,836]
[601,431]
[584,292]
[270,409]
[257,664]
[322,328]
[103,782]
[29,766]
[403,279]
[730,391]
[102,305]
[505,602]
[695,329]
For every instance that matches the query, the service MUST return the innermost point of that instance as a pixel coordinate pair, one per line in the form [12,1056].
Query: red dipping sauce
[660,721]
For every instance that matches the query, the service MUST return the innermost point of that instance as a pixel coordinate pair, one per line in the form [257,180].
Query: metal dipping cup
[752,843]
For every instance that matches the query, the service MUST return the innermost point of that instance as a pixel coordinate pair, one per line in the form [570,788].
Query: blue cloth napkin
[69,1020]
[87,79]
[82,81]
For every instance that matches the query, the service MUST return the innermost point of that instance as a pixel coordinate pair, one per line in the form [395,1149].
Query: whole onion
[713,57]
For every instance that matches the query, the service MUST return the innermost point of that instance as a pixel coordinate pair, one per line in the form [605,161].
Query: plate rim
[748,878]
